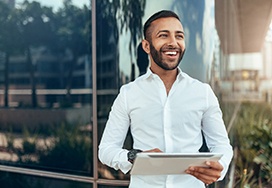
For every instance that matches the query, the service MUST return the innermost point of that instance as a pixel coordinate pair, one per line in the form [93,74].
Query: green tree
[121,16]
[133,12]
[35,22]
[252,134]
[10,40]
[124,15]
[73,36]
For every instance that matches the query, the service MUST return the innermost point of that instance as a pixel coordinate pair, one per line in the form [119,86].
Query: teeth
[171,53]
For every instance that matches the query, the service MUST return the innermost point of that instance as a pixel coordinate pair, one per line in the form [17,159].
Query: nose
[172,40]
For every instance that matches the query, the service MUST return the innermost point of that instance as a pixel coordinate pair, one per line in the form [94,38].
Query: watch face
[132,154]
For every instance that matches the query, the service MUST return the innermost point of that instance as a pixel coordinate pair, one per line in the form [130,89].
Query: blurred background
[62,63]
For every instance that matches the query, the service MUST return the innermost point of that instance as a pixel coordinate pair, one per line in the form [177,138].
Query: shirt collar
[150,74]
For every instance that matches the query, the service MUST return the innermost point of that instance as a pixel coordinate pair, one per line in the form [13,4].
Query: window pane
[121,60]
[111,74]
[228,45]
[45,85]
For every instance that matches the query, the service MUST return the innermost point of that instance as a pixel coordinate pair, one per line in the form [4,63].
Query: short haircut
[158,15]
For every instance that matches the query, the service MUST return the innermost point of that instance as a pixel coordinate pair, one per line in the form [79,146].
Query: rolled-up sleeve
[215,131]
[111,150]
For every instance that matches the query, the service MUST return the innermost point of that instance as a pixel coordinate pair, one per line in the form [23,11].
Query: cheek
[182,45]
[155,47]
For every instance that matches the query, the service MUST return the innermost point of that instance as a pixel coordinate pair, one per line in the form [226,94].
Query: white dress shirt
[172,123]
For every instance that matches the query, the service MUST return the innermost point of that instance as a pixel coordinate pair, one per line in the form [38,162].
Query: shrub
[252,137]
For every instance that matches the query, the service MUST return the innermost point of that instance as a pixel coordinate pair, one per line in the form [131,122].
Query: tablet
[170,163]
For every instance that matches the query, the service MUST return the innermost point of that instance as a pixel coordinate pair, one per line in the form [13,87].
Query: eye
[163,35]
[179,36]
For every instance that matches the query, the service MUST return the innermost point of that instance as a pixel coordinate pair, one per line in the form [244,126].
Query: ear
[146,46]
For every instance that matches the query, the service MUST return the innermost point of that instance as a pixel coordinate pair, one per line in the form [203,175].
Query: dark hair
[160,14]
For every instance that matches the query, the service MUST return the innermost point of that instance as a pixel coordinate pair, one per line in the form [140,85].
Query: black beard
[156,55]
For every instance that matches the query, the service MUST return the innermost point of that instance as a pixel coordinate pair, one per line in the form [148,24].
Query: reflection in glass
[45,86]
[127,59]
[46,79]
[113,20]
[10,180]
[234,60]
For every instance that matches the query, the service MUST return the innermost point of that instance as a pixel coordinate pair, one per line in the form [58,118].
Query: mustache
[170,48]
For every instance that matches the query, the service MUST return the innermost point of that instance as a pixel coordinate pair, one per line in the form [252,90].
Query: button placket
[167,127]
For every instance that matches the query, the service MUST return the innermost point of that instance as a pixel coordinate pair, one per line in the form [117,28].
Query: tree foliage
[32,26]
[252,135]
[124,15]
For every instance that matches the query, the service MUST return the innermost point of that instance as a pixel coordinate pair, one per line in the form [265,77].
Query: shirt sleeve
[215,132]
[111,150]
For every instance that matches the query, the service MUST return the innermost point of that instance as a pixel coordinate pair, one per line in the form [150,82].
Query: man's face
[165,63]
[166,43]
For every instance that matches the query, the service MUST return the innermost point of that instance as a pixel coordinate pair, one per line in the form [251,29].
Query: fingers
[203,174]
[214,165]
[153,150]
[208,174]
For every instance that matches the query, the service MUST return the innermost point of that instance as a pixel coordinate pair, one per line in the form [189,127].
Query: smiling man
[167,33]
[167,111]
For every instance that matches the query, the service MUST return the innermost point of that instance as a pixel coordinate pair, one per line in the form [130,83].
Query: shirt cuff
[224,171]
[125,165]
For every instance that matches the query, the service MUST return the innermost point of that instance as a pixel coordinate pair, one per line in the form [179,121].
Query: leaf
[260,159]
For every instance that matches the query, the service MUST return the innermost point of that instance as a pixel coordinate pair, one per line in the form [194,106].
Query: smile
[170,53]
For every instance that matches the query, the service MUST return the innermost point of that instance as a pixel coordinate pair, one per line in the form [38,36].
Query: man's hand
[153,150]
[209,174]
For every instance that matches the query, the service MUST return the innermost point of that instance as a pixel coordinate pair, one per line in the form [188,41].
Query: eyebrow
[167,31]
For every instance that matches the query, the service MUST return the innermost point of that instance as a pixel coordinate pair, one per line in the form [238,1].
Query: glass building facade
[62,64]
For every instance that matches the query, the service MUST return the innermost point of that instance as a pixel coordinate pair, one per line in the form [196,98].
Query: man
[167,111]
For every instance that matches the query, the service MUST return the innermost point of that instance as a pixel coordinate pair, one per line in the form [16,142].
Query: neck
[167,76]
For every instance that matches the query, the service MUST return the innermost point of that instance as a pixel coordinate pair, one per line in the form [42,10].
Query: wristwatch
[132,155]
